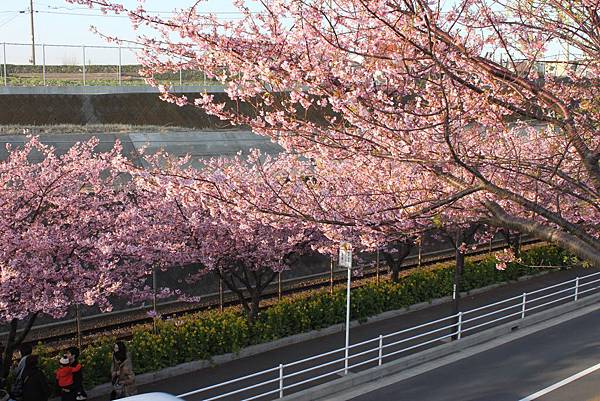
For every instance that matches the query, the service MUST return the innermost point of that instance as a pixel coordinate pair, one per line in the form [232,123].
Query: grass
[85,129]
[96,75]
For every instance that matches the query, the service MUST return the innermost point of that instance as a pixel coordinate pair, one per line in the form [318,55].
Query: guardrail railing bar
[490,305]
[230,381]
[363,342]
[520,304]
[239,390]
[420,345]
[422,335]
[419,326]
[258,396]
[491,321]
[568,289]
[588,290]
[551,287]
[381,346]
[589,282]
[335,372]
[311,358]
[363,363]
[550,302]
[323,365]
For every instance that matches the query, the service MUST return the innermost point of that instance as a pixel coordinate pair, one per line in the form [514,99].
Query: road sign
[345,258]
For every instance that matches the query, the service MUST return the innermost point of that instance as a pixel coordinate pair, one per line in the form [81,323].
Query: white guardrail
[291,377]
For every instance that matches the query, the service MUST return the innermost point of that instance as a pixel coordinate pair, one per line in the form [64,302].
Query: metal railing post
[459,329]
[120,66]
[380,350]
[83,51]
[280,380]
[4,62]
[180,78]
[204,79]
[523,305]
[576,288]
[44,64]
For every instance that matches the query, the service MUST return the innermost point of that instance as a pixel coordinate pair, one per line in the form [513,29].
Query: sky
[59,22]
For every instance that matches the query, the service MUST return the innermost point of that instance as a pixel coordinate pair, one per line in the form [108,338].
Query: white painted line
[561,383]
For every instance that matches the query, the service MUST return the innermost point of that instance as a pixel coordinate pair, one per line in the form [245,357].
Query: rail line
[120,323]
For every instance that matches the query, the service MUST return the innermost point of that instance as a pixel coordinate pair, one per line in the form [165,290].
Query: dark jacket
[35,386]
[78,379]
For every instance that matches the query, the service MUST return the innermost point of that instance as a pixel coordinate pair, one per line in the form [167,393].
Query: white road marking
[561,383]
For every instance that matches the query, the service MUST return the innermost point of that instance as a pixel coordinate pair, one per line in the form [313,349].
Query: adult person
[35,383]
[123,377]
[16,391]
[78,390]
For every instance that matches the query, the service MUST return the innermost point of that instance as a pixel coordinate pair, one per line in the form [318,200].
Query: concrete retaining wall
[121,108]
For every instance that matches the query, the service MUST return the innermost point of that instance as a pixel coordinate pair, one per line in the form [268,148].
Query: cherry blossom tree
[60,235]
[416,84]
[195,218]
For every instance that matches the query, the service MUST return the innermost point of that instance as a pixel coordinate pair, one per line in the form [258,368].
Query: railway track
[120,323]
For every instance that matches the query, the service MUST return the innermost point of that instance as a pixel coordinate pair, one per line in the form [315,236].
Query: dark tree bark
[461,236]
[394,260]
[13,341]
[513,239]
[248,286]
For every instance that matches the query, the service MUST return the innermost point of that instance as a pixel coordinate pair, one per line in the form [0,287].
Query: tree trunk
[12,343]
[395,263]
[254,289]
[513,240]
[254,306]
[9,349]
[569,242]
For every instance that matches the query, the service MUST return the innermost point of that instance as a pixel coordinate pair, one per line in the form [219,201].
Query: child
[78,390]
[64,377]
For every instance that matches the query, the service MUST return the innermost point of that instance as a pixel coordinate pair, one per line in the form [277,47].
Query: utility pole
[32,32]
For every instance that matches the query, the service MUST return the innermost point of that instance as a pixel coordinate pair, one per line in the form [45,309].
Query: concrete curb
[167,373]
[351,381]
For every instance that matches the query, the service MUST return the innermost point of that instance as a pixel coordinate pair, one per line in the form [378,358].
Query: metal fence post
[279,286]
[460,319]
[576,288]
[280,380]
[377,266]
[380,349]
[523,305]
[4,61]
[180,78]
[120,66]
[44,63]
[204,79]
[83,48]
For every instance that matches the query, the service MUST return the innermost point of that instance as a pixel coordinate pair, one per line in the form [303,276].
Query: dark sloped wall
[131,108]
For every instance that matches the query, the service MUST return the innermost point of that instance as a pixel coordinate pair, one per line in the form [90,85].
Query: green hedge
[206,334]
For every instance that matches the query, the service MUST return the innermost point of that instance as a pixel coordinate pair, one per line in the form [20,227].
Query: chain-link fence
[82,65]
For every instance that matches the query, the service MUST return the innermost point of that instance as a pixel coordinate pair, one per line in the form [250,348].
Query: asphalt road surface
[514,371]
[266,360]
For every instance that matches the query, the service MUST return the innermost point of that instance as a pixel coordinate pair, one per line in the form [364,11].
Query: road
[513,371]
[266,360]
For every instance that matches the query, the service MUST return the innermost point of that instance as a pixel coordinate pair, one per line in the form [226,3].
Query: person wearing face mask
[123,378]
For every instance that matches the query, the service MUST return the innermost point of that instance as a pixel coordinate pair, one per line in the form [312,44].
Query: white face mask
[116,348]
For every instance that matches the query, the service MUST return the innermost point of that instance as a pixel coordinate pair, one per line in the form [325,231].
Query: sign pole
[345,260]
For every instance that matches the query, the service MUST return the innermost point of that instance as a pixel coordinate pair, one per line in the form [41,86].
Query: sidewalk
[266,360]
